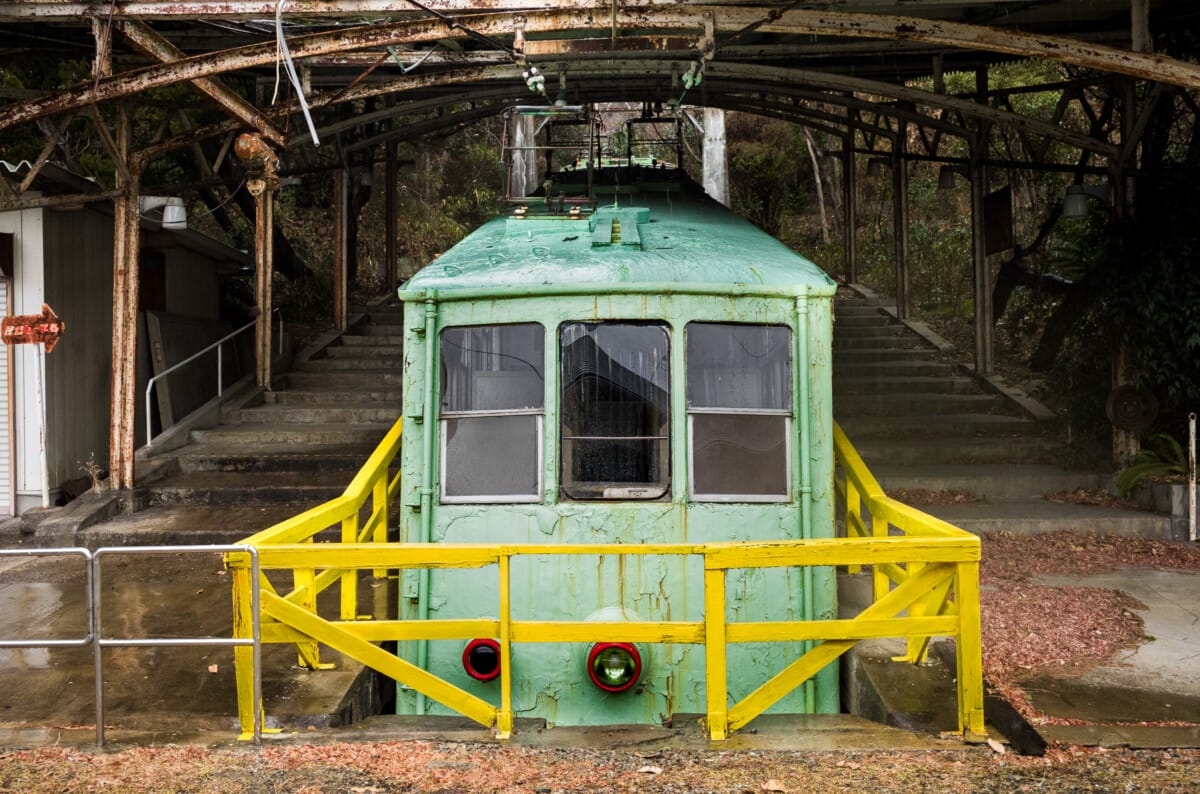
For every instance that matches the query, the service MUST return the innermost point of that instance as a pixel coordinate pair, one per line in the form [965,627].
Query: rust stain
[44,329]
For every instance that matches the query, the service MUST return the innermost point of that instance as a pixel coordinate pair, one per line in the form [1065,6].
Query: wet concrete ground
[187,695]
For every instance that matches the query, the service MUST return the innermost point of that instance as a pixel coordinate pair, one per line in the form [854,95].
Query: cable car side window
[616,410]
[493,397]
[739,398]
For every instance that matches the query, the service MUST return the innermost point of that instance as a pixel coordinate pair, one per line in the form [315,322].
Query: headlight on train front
[481,659]
[614,666]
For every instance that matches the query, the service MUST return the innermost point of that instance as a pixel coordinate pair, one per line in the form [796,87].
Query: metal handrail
[220,369]
[100,643]
[76,643]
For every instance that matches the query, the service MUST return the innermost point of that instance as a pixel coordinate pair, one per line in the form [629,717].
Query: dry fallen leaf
[212,668]
[773,785]
[651,770]
[997,747]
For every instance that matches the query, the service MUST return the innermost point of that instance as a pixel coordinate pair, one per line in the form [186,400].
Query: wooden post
[341,218]
[900,220]
[126,245]
[983,278]
[263,187]
[391,266]
[849,206]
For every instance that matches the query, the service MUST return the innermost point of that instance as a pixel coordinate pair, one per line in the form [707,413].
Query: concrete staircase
[922,422]
[283,450]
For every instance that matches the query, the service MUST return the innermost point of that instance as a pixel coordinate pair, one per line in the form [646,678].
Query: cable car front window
[739,396]
[615,434]
[492,401]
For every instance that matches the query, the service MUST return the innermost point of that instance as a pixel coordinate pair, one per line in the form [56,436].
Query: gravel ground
[423,767]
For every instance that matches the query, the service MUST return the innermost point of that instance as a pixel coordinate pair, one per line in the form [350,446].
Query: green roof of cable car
[664,240]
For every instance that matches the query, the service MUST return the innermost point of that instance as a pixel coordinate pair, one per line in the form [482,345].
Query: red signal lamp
[481,659]
[614,666]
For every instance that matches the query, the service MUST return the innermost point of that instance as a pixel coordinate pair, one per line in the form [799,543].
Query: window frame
[539,414]
[665,489]
[789,421]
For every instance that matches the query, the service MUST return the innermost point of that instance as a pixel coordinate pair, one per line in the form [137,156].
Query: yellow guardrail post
[969,651]
[714,652]
[349,583]
[243,656]
[504,719]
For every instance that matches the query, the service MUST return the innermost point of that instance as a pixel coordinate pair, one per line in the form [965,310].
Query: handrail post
[717,706]
[504,719]
[220,370]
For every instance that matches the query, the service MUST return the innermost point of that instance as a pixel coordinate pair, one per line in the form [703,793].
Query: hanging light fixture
[1075,203]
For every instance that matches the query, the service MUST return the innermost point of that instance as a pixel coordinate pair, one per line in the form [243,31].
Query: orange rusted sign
[43,328]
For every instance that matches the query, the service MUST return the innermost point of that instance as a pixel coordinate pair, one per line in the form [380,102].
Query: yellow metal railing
[927,584]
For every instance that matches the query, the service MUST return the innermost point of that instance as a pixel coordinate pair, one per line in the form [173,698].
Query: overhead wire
[284,55]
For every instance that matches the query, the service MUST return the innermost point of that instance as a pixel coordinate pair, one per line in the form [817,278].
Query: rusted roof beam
[582,18]
[145,39]
[67,10]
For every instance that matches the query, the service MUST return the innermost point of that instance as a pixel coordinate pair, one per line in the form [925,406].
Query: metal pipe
[1192,475]
[665,288]
[427,441]
[220,371]
[800,375]
[99,643]
[75,643]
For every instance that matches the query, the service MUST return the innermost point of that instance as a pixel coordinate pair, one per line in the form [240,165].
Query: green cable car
[618,360]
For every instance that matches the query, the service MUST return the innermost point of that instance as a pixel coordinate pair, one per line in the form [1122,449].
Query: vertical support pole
[341,219]
[249,702]
[849,207]
[714,654]
[379,505]
[126,244]
[349,579]
[263,276]
[716,179]
[983,277]
[1139,25]
[504,719]
[900,220]
[391,265]
[970,650]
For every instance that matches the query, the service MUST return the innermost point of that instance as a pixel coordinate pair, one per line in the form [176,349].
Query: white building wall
[26,226]
[78,279]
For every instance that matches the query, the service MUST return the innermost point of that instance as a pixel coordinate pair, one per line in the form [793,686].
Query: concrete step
[899,384]
[907,367]
[378,329]
[342,364]
[364,352]
[959,451]
[185,525]
[843,343]
[389,316]
[331,396]
[901,404]
[241,488]
[252,435]
[991,482]
[371,340]
[856,309]
[364,379]
[881,355]
[1039,515]
[915,427]
[349,413]
[274,457]
[874,320]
